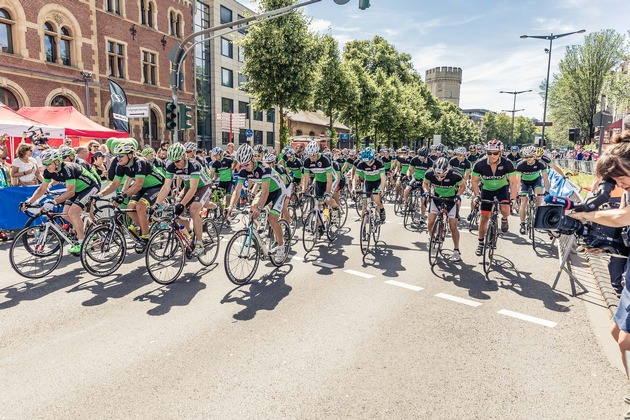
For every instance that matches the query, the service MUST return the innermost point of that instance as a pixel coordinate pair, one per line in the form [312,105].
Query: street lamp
[550,37]
[86,77]
[514,110]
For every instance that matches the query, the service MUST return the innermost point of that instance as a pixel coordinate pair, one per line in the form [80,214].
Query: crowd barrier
[11,217]
[574,165]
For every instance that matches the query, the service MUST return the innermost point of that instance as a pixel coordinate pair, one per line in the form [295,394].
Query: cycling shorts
[277,199]
[502,194]
[148,195]
[320,189]
[82,199]
[534,185]
[451,208]
[202,195]
[371,187]
[228,186]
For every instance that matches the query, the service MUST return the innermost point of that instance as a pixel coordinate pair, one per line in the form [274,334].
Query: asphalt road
[329,335]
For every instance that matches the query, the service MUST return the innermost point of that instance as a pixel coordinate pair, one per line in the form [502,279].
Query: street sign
[437,139]
[138,111]
[344,136]
[328,132]
[249,133]
[540,124]
[602,119]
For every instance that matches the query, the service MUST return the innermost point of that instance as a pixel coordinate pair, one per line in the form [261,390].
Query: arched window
[61,100]
[311,133]
[9,99]
[175,24]
[50,43]
[150,15]
[6,32]
[298,132]
[58,44]
[147,8]
[64,46]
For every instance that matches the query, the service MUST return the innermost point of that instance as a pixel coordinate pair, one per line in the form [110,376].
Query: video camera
[37,136]
[552,218]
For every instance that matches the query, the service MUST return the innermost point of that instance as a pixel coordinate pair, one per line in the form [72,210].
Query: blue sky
[481,37]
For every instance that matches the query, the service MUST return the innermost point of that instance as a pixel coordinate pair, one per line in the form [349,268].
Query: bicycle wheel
[34,256]
[331,225]
[473,223]
[416,210]
[103,251]
[376,228]
[164,258]
[309,231]
[307,207]
[531,211]
[398,201]
[343,209]
[286,236]
[435,244]
[242,256]
[211,242]
[365,233]
[358,203]
[489,245]
[294,220]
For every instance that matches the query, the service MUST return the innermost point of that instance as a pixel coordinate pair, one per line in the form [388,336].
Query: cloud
[320,25]
[552,25]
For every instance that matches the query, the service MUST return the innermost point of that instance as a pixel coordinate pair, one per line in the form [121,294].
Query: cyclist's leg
[452,222]
[539,190]
[277,200]
[201,197]
[523,193]
[433,212]
[146,200]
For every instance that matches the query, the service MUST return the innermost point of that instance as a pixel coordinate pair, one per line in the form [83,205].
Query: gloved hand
[48,206]
[179,209]
[120,198]
[458,198]
[327,196]
[424,194]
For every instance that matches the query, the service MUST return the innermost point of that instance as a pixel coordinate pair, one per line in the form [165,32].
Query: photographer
[615,164]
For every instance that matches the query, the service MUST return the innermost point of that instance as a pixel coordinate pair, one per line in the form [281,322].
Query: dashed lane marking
[458,299]
[297,257]
[404,285]
[323,264]
[359,274]
[528,318]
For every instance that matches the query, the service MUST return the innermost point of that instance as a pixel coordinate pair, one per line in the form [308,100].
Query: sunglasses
[493,153]
[246,164]
[47,164]
[120,156]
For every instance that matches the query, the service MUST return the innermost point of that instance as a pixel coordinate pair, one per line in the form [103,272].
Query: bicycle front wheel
[435,244]
[103,251]
[365,233]
[242,256]
[309,231]
[165,256]
[489,246]
[211,241]
[343,211]
[530,225]
[286,237]
[34,256]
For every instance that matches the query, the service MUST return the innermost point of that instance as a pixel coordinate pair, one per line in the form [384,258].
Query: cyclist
[417,168]
[272,192]
[222,168]
[472,154]
[191,153]
[401,166]
[372,172]
[514,155]
[532,174]
[293,164]
[322,168]
[460,164]
[149,154]
[81,184]
[142,193]
[499,180]
[68,154]
[386,158]
[446,183]
[542,156]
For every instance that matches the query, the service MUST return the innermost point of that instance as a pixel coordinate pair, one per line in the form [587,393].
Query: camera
[37,136]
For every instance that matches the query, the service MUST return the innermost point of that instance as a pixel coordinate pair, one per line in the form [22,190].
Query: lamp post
[514,110]
[86,78]
[550,37]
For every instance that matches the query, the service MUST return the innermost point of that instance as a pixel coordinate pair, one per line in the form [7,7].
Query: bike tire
[332,228]
[416,210]
[309,231]
[435,243]
[530,225]
[294,220]
[489,246]
[102,239]
[286,234]
[343,207]
[27,261]
[242,248]
[163,247]
[365,233]
[211,243]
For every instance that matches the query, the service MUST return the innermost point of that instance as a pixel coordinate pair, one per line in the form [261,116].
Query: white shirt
[23,167]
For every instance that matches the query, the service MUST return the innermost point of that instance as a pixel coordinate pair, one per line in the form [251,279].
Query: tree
[362,96]
[617,90]
[279,57]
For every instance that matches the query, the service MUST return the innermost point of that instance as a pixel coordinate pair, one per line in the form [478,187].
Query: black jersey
[460,166]
[446,187]
[72,173]
[141,168]
[420,166]
[493,181]
[530,172]
[514,158]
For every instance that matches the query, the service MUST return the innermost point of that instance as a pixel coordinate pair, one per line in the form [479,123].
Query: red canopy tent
[75,123]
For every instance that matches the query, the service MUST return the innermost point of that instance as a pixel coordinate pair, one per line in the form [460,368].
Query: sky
[482,37]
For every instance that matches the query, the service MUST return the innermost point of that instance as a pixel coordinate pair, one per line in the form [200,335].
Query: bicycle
[491,236]
[247,247]
[438,232]
[473,218]
[319,221]
[399,204]
[530,215]
[169,247]
[370,225]
[413,211]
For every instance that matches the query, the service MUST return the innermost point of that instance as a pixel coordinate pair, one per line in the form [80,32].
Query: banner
[119,106]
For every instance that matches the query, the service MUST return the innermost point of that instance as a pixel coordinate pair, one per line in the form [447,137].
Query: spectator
[82,152]
[98,163]
[92,148]
[4,149]
[25,167]
[230,150]
[67,142]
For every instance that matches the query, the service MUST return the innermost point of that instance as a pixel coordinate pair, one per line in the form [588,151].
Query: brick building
[47,50]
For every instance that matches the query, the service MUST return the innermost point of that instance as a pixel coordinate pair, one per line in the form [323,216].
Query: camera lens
[552,218]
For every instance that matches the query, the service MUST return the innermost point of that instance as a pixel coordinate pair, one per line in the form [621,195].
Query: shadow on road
[179,293]
[464,276]
[329,253]
[114,288]
[383,259]
[262,295]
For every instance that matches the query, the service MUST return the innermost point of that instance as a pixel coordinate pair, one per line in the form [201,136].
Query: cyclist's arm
[262,199]
[70,191]
[137,186]
[426,186]
[475,186]
[383,180]
[545,176]
[192,190]
[557,169]
[236,194]
[164,191]
[410,171]
[513,185]
[39,192]
[305,177]
[111,187]
[328,181]
[461,188]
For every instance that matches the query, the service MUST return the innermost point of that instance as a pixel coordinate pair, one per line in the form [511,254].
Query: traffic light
[574,135]
[364,4]
[171,116]
[184,118]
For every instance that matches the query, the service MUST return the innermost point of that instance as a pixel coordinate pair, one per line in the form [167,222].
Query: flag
[119,106]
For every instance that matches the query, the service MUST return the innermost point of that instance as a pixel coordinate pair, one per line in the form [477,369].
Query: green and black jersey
[494,180]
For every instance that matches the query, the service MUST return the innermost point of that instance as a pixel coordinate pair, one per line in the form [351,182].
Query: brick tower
[444,83]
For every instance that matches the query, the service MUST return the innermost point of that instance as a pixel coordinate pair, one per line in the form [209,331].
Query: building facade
[445,83]
[219,81]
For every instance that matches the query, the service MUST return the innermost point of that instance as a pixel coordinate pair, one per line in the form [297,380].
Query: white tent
[15,125]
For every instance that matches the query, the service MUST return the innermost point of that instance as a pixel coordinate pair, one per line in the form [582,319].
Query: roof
[315,118]
[15,125]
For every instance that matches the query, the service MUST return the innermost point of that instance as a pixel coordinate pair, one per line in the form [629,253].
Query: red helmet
[494,145]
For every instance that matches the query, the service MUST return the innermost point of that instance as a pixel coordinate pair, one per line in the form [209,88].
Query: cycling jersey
[295,166]
[420,167]
[493,181]
[72,173]
[370,171]
[545,159]
[514,158]
[321,167]
[404,163]
[261,174]
[223,167]
[530,172]
[462,167]
[159,165]
[446,187]
[140,168]
[474,158]
[284,175]
[387,162]
[193,170]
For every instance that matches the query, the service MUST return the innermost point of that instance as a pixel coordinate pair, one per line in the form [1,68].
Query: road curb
[599,268]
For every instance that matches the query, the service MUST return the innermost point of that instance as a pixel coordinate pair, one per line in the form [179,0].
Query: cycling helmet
[147,151]
[514,148]
[286,149]
[132,141]
[217,151]
[290,152]
[423,152]
[439,148]
[269,157]
[540,151]
[311,149]
[404,148]
[259,149]
[495,146]
[480,147]
[125,147]
[432,147]
[384,150]
[367,155]
[244,154]
[441,166]
[352,152]
[472,148]
[190,146]
[176,152]
[528,152]
[50,155]
[460,151]
[66,151]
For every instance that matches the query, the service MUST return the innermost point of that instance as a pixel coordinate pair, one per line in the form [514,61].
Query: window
[6,32]
[258,137]
[9,99]
[298,132]
[226,15]
[113,6]
[241,54]
[50,43]
[226,48]
[270,135]
[242,28]
[57,44]
[242,79]
[225,137]
[243,108]
[242,136]
[271,115]
[61,100]
[64,46]
[258,115]
[227,105]
[149,67]
[175,25]
[116,59]
[150,136]
[227,78]
[147,9]
[311,133]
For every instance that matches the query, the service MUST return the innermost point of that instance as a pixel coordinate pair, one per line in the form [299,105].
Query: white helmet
[311,149]
[191,146]
[269,157]
[244,154]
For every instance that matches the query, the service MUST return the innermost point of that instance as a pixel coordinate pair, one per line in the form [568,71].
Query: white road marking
[404,285]
[297,257]
[458,299]
[360,274]
[465,207]
[528,318]
[322,264]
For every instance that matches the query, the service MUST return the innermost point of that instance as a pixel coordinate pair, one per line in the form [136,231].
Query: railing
[574,165]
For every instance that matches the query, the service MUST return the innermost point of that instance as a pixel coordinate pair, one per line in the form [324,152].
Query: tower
[444,83]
